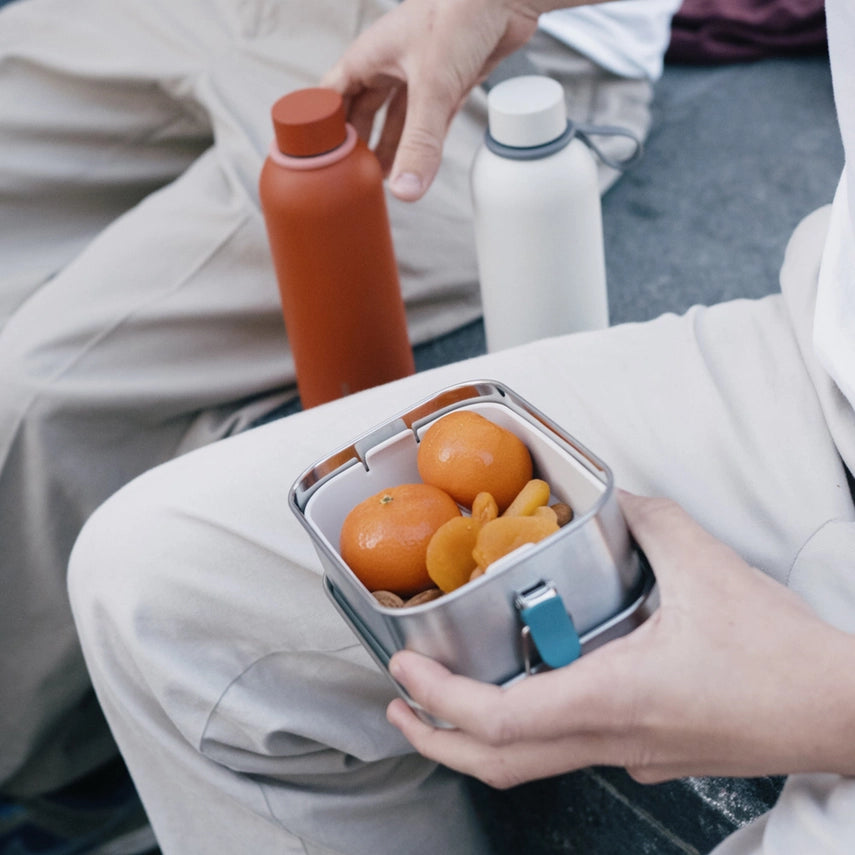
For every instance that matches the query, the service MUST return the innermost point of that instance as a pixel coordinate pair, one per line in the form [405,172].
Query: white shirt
[627,37]
[834,321]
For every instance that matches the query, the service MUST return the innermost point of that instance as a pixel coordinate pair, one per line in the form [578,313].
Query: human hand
[421,60]
[733,675]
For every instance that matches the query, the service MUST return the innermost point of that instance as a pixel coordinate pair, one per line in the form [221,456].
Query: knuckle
[646,764]
[498,775]
[646,775]
[658,511]
[501,729]
[422,142]
[639,774]
[664,506]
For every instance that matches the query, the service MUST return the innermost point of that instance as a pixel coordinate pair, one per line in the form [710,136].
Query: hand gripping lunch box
[538,607]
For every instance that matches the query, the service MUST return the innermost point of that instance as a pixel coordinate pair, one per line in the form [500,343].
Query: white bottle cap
[526,111]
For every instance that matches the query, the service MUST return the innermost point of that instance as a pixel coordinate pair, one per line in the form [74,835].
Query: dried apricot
[547,514]
[449,553]
[533,495]
[501,536]
[484,508]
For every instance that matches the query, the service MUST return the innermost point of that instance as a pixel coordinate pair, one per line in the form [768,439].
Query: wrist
[833,703]
[816,722]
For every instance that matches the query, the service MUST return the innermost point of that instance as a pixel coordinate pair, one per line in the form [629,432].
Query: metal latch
[548,625]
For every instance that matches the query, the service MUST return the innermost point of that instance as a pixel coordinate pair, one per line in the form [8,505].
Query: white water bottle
[538,220]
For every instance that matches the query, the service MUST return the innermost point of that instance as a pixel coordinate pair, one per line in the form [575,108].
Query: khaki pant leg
[239,699]
[140,313]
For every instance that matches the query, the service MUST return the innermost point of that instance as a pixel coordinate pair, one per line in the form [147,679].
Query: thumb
[419,152]
[672,541]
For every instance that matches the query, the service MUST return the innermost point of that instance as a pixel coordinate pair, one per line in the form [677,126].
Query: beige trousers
[251,718]
[139,316]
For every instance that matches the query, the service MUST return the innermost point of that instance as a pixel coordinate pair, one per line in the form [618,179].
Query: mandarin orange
[384,538]
[465,453]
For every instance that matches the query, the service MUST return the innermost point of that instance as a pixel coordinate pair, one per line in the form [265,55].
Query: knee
[113,570]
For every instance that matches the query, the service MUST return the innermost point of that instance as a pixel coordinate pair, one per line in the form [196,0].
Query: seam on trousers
[807,541]
[111,328]
[238,677]
[179,110]
[179,113]
[258,18]
[275,819]
[272,815]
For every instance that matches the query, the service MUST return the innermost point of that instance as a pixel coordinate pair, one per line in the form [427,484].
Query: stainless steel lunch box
[539,607]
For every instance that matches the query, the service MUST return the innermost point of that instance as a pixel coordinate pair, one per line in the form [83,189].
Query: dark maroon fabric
[713,31]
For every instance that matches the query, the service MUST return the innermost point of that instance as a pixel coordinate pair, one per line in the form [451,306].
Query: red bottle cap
[309,122]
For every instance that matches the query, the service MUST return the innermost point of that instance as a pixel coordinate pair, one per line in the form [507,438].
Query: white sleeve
[815,815]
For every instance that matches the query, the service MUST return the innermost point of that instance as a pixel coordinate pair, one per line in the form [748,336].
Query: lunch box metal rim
[448,399]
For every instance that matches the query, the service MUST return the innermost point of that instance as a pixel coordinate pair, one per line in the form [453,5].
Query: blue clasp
[548,624]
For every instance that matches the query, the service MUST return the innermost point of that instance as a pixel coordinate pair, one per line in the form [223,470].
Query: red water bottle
[321,192]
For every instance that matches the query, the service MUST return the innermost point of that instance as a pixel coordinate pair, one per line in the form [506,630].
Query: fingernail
[407,185]
[395,668]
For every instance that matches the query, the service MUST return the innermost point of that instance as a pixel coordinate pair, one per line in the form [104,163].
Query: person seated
[139,312]
[253,720]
